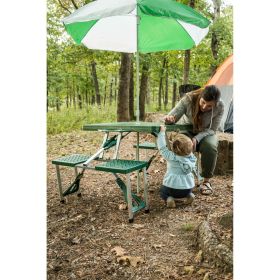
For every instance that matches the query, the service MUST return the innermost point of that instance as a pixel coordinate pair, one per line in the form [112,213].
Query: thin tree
[166,85]
[131,93]
[187,55]
[111,92]
[95,83]
[105,92]
[143,90]
[174,93]
[214,39]
[160,83]
[123,94]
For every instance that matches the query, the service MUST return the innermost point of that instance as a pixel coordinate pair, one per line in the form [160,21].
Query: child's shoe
[170,202]
[190,199]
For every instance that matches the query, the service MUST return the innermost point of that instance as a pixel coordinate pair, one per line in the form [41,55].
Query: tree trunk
[143,90]
[174,95]
[67,100]
[74,99]
[57,101]
[92,98]
[47,98]
[105,92]
[160,84]
[80,101]
[148,99]
[115,96]
[123,94]
[111,92]
[95,83]
[187,60]
[187,55]
[86,97]
[131,93]
[214,39]
[166,86]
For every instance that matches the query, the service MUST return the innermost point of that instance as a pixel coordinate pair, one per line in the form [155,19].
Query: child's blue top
[179,174]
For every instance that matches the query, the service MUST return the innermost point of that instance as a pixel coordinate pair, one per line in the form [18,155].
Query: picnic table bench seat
[115,166]
[71,160]
[121,166]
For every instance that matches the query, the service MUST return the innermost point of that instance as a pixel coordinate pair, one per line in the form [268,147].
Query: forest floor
[90,238]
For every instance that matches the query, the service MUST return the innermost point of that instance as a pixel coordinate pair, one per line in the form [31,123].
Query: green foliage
[68,120]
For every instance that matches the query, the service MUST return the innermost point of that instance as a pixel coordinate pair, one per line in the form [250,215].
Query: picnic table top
[148,127]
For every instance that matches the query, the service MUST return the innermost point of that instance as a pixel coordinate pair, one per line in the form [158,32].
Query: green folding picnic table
[116,165]
[144,127]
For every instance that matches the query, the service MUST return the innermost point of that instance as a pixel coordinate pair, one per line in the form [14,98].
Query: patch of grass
[188,227]
[73,119]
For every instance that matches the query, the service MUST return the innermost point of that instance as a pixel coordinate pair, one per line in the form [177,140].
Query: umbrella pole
[137,87]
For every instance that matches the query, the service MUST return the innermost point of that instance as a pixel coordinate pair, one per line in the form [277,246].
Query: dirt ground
[89,237]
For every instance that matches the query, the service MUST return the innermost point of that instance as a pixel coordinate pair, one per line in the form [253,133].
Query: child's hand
[162,128]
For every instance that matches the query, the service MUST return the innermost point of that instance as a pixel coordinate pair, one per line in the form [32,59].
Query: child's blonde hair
[181,145]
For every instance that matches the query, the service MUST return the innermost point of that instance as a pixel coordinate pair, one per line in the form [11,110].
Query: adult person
[203,109]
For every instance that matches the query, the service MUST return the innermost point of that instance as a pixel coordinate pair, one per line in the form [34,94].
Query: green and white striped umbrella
[112,25]
[134,26]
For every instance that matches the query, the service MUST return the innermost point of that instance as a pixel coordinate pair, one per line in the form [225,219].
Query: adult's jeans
[208,148]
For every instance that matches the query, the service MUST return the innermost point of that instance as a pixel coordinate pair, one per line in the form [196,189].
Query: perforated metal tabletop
[149,127]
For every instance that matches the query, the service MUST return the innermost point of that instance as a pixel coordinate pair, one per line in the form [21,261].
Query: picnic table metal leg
[146,195]
[137,158]
[129,198]
[76,174]
[117,147]
[59,182]
[105,138]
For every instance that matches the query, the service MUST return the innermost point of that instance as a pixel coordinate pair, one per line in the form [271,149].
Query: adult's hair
[209,93]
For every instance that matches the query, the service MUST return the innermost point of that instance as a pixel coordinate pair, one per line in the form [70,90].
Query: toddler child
[178,180]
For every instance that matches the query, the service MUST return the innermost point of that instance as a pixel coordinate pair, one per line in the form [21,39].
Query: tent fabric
[223,79]
[224,73]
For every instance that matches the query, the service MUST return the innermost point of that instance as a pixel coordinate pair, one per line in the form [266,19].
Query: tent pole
[137,87]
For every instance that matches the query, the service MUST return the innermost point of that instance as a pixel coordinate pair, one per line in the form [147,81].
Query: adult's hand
[169,119]
[194,144]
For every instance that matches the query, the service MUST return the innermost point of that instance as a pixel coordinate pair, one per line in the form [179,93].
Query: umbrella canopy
[136,26]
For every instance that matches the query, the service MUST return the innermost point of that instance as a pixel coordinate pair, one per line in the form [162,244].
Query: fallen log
[216,253]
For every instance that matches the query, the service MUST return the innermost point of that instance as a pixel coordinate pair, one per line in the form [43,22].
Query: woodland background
[99,86]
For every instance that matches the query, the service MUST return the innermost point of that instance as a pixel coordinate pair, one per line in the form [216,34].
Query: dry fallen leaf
[206,276]
[135,260]
[198,258]
[157,246]
[189,269]
[123,206]
[118,250]
[156,171]
[123,260]
[76,240]
[126,260]
[138,226]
